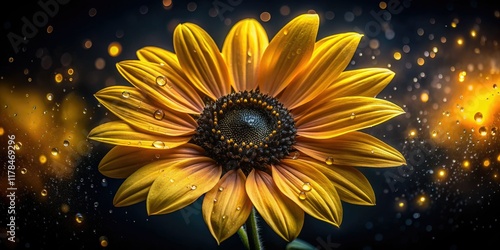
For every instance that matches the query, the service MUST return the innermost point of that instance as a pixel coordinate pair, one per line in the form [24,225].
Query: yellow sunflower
[265,125]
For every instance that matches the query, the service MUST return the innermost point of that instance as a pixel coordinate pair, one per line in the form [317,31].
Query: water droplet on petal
[171,180]
[238,208]
[158,114]
[302,196]
[295,155]
[224,217]
[306,187]
[158,144]
[329,160]
[285,32]
[494,86]
[215,200]
[193,187]
[125,94]
[494,131]
[161,81]
[221,189]
[352,116]
[66,143]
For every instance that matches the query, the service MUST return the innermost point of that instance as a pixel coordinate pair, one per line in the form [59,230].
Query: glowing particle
[460,41]
[265,16]
[420,61]
[42,159]
[114,49]
[397,56]
[71,71]
[2,131]
[434,133]
[24,170]
[441,173]
[50,96]
[58,78]
[466,163]
[64,208]
[424,97]
[486,163]
[413,132]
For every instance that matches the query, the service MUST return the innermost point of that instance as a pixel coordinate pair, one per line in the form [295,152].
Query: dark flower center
[246,130]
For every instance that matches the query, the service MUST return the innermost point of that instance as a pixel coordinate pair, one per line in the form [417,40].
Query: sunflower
[265,125]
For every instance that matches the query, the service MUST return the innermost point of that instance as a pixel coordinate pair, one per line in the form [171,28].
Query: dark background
[458,214]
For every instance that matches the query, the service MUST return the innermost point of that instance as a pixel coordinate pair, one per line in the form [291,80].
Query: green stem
[244,237]
[253,231]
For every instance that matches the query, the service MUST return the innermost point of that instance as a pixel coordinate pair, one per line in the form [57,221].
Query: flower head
[271,125]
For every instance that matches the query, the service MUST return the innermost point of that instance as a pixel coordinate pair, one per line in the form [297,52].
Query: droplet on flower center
[246,130]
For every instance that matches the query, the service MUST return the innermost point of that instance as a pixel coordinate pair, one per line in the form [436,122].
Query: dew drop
[171,180]
[285,32]
[478,117]
[44,192]
[483,131]
[24,170]
[295,155]
[54,151]
[494,131]
[224,217]
[158,144]
[193,187]
[221,189]
[238,208]
[50,96]
[158,114]
[215,200]
[161,81]
[329,160]
[125,94]
[302,196]
[66,143]
[306,187]
[352,116]
[79,218]
[494,86]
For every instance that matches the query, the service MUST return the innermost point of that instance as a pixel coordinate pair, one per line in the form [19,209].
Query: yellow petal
[329,59]
[351,184]
[182,184]
[344,115]
[136,187]
[243,49]
[130,105]
[287,54]
[360,82]
[302,183]
[201,60]
[226,207]
[352,149]
[120,133]
[121,161]
[161,56]
[282,214]
[163,84]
